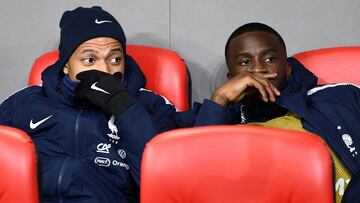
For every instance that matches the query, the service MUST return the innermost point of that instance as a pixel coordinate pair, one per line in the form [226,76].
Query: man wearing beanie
[92,118]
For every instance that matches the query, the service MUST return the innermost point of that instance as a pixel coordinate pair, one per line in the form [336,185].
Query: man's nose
[257,67]
[104,67]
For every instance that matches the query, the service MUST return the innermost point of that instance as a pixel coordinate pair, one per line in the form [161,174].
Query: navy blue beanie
[82,24]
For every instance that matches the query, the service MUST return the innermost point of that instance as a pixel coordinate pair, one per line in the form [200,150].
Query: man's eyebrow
[269,50]
[94,51]
[115,50]
[89,51]
[246,54]
[242,54]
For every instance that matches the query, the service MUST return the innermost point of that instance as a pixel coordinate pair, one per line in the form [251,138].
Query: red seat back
[218,164]
[165,72]
[18,171]
[333,65]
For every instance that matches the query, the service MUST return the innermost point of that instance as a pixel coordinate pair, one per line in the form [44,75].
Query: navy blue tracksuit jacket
[330,111]
[86,155]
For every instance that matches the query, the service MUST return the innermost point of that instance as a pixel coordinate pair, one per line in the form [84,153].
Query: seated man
[91,118]
[276,92]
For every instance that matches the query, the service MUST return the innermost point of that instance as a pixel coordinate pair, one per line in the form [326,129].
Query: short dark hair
[252,27]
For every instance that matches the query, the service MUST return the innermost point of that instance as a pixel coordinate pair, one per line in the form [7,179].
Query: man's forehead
[101,41]
[257,36]
[255,39]
[95,47]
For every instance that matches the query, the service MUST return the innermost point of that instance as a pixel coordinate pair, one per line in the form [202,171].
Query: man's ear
[288,70]
[66,69]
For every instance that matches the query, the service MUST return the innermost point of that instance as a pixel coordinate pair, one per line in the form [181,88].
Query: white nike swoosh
[97,21]
[94,87]
[35,125]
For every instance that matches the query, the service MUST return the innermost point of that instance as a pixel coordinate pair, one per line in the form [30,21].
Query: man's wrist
[220,99]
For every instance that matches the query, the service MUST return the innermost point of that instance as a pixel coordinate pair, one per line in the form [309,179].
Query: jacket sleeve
[142,121]
[150,115]
[6,110]
[212,113]
[136,128]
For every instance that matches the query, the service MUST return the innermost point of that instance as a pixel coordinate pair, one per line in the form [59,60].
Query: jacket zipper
[76,133]
[60,179]
[63,165]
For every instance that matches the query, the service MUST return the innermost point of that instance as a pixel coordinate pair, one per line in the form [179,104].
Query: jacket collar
[301,80]
[295,93]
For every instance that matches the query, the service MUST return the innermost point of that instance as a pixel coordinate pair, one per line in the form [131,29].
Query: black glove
[103,90]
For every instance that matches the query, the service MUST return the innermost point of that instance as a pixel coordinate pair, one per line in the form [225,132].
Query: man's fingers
[265,75]
[265,94]
[265,78]
[241,85]
[276,91]
[118,75]
[266,89]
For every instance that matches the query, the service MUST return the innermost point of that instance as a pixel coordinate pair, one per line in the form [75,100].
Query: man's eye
[270,59]
[245,63]
[88,60]
[115,60]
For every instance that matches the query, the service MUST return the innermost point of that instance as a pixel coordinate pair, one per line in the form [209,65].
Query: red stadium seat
[18,171]
[333,65]
[165,72]
[218,164]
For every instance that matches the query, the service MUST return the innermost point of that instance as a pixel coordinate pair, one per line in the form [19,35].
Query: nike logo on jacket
[35,125]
